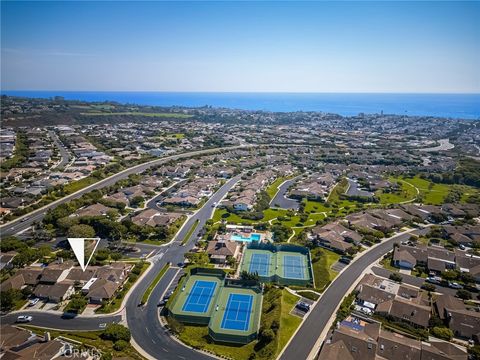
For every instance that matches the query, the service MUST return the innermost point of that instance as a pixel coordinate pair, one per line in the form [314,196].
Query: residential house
[152,217]
[464,323]
[93,210]
[407,311]
[220,251]
[445,303]
[57,292]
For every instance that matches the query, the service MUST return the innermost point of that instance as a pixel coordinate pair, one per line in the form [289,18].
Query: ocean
[464,106]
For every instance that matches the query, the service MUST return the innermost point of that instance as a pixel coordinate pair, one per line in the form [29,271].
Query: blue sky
[356,46]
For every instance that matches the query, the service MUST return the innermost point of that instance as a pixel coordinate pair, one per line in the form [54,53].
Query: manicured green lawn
[272,189]
[387,264]
[190,232]
[407,192]
[309,295]
[197,336]
[80,184]
[288,323]
[315,207]
[231,218]
[322,260]
[435,193]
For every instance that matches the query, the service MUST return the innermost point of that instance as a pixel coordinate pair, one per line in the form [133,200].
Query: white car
[24,319]
[454,285]
[33,302]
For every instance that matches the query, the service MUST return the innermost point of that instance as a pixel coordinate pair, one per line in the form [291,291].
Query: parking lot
[338,266]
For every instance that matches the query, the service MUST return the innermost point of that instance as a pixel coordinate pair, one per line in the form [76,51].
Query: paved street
[306,337]
[55,320]
[24,222]
[413,280]
[61,148]
[143,321]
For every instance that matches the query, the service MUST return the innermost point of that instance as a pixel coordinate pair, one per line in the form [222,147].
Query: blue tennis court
[200,296]
[293,267]
[237,312]
[259,264]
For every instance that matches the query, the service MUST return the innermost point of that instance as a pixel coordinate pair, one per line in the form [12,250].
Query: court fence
[285,247]
[213,318]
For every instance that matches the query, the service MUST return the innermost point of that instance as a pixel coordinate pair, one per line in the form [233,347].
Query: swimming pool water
[251,237]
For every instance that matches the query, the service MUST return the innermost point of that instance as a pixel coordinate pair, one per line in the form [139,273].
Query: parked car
[455,285]
[433,280]
[162,303]
[303,306]
[345,260]
[33,302]
[69,315]
[214,204]
[167,295]
[24,319]
[25,219]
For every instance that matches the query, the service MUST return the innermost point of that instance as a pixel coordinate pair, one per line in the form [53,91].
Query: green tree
[396,277]
[81,231]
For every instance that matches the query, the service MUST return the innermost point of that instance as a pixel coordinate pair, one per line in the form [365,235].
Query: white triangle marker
[78,247]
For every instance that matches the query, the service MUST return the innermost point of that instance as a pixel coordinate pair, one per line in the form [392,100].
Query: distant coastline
[461,106]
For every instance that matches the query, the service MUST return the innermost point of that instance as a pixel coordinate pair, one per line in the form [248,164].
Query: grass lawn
[154,283]
[315,207]
[387,264]
[309,295]
[91,339]
[218,215]
[190,232]
[322,260]
[407,192]
[288,323]
[80,184]
[433,193]
[272,189]
[197,336]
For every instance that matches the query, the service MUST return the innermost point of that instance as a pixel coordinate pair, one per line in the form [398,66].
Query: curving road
[27,220]
[281,200]
[305,344]
[143,321]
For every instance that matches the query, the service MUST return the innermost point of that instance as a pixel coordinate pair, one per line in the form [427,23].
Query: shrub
[442,333]
[464,294]
[120,345]
[396,277]
[116,332]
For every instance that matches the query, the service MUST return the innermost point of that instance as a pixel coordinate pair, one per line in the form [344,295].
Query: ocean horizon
[460,106]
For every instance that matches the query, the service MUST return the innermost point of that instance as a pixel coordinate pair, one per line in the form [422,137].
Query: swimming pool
[251,237]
